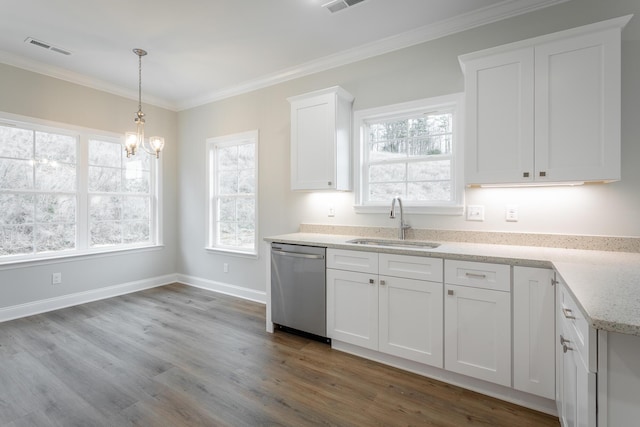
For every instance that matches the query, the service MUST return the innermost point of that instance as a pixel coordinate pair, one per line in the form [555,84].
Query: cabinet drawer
[574,324]
[478,275]
[411,267]
[364,262]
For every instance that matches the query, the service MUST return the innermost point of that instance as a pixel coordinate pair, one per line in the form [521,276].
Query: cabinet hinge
[553,282]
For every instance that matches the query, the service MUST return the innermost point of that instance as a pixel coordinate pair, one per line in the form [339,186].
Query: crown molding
[477,18]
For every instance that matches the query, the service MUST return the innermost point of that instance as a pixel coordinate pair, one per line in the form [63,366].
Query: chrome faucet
[403,225]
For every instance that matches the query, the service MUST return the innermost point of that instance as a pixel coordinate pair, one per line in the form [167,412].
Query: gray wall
[34,95]
[425,70]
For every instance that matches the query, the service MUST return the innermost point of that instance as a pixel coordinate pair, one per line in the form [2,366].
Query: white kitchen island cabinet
[477,320]
[320,140]
[546,110]
[395,313]
[534,331]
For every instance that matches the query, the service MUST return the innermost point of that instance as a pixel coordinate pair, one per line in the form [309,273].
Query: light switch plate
[511,213]
[475,213]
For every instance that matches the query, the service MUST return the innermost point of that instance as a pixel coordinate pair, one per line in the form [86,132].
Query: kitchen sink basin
[395,243]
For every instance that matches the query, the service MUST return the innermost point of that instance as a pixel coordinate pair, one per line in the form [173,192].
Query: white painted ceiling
[203,50]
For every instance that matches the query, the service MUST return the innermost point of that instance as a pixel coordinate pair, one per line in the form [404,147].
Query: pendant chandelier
[135,140]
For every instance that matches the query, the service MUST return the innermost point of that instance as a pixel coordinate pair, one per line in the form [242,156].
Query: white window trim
[456,207]
[82,249]
[211,217]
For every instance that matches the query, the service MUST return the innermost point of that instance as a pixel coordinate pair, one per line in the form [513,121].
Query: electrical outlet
[225,267]
[475,213]
[332,211]
[511,213]
[56,278]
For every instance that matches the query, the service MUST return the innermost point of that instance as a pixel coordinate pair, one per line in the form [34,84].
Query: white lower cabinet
[534,364]
[576,363]
[477,323]
[401,316]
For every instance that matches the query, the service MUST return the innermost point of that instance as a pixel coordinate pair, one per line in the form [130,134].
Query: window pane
[55,147]
[439,123]
[16,143]
[16,174]
[227,158]
[105,233]
[55,237]
[228,182]
[387,173]
[430,146]
[430,171]
[439,191]
[136,232]
[246,156]
[246,234]
[103,208]
[227,209]
[135,208]
[140,161]
[105,180]
[246,210]
[17,239]
[246,182]
[137,181]
[388,150]
[104,153]
[55,208]
[16,209]
[54,176]
[385,192]
[227,233]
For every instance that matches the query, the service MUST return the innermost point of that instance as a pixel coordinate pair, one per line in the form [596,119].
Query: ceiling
[204,50]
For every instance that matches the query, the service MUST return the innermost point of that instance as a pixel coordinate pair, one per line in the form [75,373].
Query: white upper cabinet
[320,140]
[545,110]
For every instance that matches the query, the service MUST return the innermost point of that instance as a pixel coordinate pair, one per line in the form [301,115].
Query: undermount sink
[395,243]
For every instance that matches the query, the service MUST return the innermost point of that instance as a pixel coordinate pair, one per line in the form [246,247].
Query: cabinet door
[578,408]
[499,109]
[411,319]
[534,331]
[352,308]
[577,95]
[313,124]
[478,333]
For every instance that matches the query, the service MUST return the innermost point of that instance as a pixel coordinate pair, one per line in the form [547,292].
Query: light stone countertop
[605,284]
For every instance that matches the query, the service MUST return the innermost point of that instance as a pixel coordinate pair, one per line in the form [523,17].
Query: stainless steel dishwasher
[298,288]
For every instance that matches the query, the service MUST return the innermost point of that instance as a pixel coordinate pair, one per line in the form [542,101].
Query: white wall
[34,95]
[425,70]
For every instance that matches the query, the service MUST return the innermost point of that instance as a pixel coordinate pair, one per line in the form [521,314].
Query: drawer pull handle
[567,313]
[449,292]
[476,275]
[371,281]
[563,340]
[566,348]
[382,282]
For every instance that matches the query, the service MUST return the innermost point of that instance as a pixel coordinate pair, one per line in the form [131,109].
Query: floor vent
[338,5]
[47,46]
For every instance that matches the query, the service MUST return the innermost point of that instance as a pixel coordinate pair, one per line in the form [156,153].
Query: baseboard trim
[64,301]
[223,288]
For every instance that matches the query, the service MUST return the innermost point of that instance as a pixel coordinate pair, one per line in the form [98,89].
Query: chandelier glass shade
[135,140]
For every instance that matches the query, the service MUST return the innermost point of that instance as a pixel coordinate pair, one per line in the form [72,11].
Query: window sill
[74,256]
[232,252]
[408,209]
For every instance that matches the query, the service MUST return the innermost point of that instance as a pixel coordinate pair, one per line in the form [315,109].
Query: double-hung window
[412,151]
[233,193]
[68,191]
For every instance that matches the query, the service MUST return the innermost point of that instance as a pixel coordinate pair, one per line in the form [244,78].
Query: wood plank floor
[180,356]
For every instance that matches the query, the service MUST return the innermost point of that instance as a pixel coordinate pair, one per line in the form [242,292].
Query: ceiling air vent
[47,46]
[338,5]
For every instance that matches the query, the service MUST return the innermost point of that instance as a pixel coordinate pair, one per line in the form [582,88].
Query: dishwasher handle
[296,254]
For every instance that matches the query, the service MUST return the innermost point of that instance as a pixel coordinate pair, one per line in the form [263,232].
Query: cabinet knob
[371,281]
[566,348]
[382,282]
[543,173]
[568,313]
[449,291]
[525,174]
